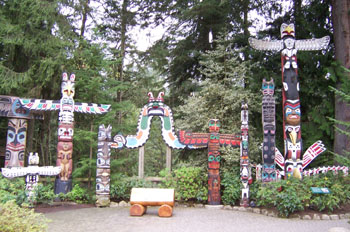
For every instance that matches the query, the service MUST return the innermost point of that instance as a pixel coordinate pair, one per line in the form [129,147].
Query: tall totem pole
[269,128]
[66,107]
[289,46]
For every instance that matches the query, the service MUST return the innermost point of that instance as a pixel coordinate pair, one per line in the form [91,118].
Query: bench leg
[137,210]
[165,211]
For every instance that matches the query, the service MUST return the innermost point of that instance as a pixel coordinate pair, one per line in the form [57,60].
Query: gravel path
[184,219]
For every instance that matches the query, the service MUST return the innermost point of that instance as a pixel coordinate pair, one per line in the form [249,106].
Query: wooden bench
[140,198]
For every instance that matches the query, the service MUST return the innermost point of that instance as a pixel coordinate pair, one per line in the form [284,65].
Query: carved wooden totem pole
[17,130]
[66,107]
[103,165]
[212,140]
[269,128]
[288,45]
[246,176]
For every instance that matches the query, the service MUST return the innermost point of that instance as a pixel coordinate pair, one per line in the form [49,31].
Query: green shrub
[78,195]
[121,188]
[12,189]
[231,186]
[44,193]
[16,219]
[287,196]
[190,183]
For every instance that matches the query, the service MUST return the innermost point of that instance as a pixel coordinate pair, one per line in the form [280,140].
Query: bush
[121,188]
[12,189]
[44,193]
[287,196]
[13,219]
[190,183]
[231,186]
[78,195]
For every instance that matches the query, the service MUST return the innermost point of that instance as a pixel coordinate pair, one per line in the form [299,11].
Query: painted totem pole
[289,46]
[103,165]
[32,173]
[66,107]
[269,128]
[246,176]
[213,140]
[17,129]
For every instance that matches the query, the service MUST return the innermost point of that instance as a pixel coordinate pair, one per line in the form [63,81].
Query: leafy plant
[16,219]
[231,186]
[12,189]
[78,195]
[190,183]
[121,188]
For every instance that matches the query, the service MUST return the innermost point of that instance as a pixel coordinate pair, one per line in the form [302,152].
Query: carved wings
[233,140]
[275,45]
[48,105]
[312,152]
[194,140]
[22,171]
[312,44]
[201,140]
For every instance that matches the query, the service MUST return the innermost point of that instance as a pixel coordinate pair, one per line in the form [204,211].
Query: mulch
[60,206]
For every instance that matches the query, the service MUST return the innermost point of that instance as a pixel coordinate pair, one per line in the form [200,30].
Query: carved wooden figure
[103,165]
[269,128]
[289,46]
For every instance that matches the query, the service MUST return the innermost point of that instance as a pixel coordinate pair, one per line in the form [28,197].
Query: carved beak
[296,173]
[293,137]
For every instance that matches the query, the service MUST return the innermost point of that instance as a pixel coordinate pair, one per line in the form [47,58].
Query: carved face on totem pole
[66,114]
[16,136]
[214,156]
[292,113]
[65,132]
[33,158]
[102,181]
[155,105]
[268,87]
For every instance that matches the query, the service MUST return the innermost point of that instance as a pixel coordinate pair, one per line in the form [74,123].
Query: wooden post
[141,161]
[168,158]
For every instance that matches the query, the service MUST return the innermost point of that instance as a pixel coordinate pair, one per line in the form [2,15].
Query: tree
[341,29]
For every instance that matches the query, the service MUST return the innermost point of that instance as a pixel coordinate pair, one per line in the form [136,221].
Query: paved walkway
[184,219]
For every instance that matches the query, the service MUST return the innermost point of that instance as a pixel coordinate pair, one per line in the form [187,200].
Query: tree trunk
[122,52]
[341,27]
[84,18]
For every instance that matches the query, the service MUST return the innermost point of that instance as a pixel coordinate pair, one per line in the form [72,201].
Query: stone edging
[266,212]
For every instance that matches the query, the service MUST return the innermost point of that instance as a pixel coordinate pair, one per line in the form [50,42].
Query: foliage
[293,195]
[44,193]
[78,195]
[16,219]
[231,186]
[287,196]
[190,183]
[12,189]
[121,188]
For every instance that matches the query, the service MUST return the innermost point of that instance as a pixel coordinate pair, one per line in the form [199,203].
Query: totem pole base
[63,186]
[214,206]
[103,201]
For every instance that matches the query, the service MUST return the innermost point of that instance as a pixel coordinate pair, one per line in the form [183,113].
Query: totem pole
[17,129]
[269,128]
[212,140]
[66,107]
[103,165]
[32,173]
[288,46]
[246,176]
